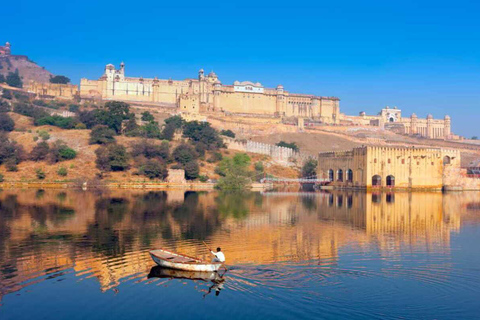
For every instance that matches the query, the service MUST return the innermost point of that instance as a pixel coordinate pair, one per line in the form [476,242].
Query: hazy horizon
[420,57]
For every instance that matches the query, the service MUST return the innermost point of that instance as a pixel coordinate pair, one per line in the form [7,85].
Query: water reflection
[107,235]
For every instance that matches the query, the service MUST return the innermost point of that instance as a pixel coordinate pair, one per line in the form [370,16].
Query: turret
[447,129]
[413,124]
[201,74]
[122,68]
[281,101]
[430,126]
[217,90]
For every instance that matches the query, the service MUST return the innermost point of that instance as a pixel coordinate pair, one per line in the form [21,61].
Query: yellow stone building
[391,119]
[207,94]
[390,167]
[57,90]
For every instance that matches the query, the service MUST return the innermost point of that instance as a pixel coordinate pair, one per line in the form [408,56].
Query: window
[403,161]
[375,160]
[389,161]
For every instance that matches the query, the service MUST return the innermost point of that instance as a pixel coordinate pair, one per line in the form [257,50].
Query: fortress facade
[388,167]
[207,94]
[391,119]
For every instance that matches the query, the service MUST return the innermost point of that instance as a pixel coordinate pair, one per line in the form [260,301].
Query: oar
[223,264]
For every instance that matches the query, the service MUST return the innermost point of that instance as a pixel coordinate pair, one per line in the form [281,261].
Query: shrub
[150,150]
[74,108]
[60,79]
[112,157]
[40,151]
[4,106]
[7,94]
[153,168]
[80,126]
[216,156]
[1,177]
[191,170]
[203,178]
[61,152]
[62,171]
[40,174]
[29,110]
[236,175]
[13,79]
[291,145]
[57,121]
[2,77]
[6,123]
[44,135]
[40,103]
[101,134]
[228,133]
[147,117]
[184,154]
[35,138]
[11,153]
[176,122]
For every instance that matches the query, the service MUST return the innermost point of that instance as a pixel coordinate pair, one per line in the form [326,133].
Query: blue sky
[422,56]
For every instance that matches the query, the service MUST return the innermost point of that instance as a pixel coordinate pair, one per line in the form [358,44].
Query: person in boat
[218,256]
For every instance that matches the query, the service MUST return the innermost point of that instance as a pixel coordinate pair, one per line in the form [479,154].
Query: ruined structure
[206,93]
[5,50]
[389,167]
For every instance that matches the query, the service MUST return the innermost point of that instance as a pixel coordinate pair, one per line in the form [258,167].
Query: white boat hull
[206,267]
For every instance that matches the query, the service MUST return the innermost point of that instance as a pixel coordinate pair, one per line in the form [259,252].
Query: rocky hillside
[27,69]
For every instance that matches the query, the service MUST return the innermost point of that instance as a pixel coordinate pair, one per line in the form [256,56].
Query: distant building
[391,119]
[207,94]
[387,167]
[5,50]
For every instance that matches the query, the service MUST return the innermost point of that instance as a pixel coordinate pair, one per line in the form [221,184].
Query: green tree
[13,79]
[7,94]
[62,171]
[309,169]
[61,152]
[102,134]
[2,78]
[112,157]
[11,153]
[176,121]
[228,133]
[150,150]
[204,133]
[474,138]
[116,112]
[6,122]
[154,168]
[291,145]
[147,117]
[168,131]
[60,79]
[184,154]
[237,176]
[74,108]
[191,170]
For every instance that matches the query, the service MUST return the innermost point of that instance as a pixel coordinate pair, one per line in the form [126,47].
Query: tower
[280,107]
[447,128]
[7,48]
[429,126]
[413,124]
[217,91]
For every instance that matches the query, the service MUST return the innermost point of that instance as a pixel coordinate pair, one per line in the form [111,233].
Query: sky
[421,56]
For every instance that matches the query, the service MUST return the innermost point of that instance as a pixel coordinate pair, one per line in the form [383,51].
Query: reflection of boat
[173,260]
[161,272]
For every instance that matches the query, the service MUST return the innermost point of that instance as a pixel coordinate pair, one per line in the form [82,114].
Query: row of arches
[377,181]
[339,175]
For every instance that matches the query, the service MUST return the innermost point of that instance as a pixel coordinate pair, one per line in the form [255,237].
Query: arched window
[349,175]
[340,175]
[390,181]
[376,181]
[339,201]
[330,175]
[446,160]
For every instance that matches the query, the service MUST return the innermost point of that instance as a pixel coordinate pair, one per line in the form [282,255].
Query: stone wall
[281,155]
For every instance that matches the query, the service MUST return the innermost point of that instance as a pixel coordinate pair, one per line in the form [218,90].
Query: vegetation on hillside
[235,173]
[291,145]
[60,79]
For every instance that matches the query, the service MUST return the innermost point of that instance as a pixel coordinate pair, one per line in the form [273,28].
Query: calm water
[84,255]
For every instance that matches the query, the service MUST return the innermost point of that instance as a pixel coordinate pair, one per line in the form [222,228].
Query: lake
[72,254]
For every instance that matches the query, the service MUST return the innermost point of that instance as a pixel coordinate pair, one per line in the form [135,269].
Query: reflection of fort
[107,236]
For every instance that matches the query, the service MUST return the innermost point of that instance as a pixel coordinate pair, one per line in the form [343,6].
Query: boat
[162,272]
[172,260]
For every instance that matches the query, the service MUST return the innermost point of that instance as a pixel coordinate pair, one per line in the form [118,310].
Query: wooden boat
[161,272]
[168,259]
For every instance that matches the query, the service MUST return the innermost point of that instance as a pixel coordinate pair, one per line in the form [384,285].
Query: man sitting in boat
[219,256]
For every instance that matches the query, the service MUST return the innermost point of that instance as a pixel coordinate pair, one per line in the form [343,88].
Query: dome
[447,117]
[212,74]
[429,116]
[201,71]
[279,87]
[413,115]
[122,64]
[236,83]
[110,66]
